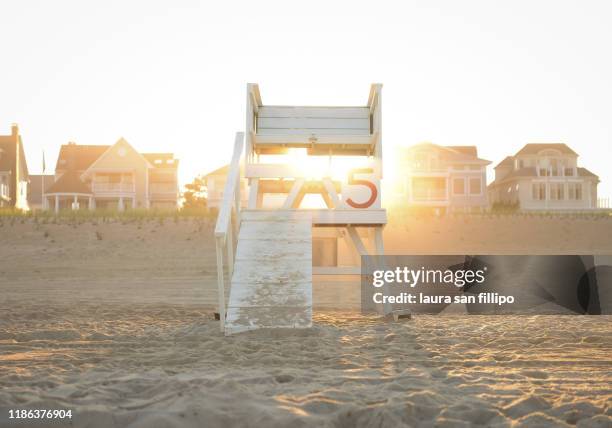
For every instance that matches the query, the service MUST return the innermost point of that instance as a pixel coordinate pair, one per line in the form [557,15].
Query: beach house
[441,178]
[112,177]
[13,171]
[544,177]
[215,185]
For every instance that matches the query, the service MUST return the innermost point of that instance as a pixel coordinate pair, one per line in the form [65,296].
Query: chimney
[14,130]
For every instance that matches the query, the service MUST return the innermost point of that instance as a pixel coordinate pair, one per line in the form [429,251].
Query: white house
[544,177]
[112,177]
[215,184]
[14,175]
[442,178]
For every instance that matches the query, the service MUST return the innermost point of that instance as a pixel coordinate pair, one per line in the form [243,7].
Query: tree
[195,193]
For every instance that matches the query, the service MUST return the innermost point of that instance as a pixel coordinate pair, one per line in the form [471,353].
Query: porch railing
[604,203]
[422,195]
[4,190]
[163,188]
[225,229]
[101,187]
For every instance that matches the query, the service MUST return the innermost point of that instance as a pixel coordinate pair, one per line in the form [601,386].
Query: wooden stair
[271,286]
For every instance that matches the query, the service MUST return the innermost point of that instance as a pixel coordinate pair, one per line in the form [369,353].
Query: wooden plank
[323,217]
[261,170]
[271,294]
[349,216]
[272,280]
[254,193]
[267,230]
[310,122]
[314,112]
[331,192]
[357,242]
[256,249]
[228,192]
[276,215]
[313,131]
[303,140]
[256,271]
[293,194]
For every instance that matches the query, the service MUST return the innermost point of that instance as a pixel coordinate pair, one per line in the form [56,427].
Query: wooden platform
[325,217]
[271,285]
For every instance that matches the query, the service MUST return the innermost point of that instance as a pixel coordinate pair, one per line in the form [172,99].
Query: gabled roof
[78,157]
[7,153]
[466,150]
[161,160]
[224,170]
[535,148]
[69,182]
[108,150]
[508,161]
[583,172]
[531,172]
[455,153]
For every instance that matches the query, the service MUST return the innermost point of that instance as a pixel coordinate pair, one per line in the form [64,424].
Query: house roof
[7,152]
[531,172]
[36,185]
[508,161]
[456,153]
[109,150]
[583,172]
[69,182]
[535,148]
[466,150]
[224,170]
[162,160]
[78,157]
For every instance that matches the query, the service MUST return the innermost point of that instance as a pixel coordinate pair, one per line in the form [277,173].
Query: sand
[114,321]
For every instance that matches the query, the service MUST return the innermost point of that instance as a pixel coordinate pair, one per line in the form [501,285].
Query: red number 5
[368,184]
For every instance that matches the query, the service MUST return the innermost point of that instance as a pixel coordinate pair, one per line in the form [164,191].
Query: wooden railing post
[223,228]
[220,284]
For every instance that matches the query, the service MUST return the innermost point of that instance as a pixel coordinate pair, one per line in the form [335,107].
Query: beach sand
[114,320]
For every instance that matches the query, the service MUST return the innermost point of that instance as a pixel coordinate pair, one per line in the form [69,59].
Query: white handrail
[223,232]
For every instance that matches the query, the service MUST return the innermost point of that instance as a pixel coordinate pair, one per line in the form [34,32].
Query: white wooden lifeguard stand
[291,152]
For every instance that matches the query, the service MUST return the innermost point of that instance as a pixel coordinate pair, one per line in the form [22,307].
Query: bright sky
[170,76]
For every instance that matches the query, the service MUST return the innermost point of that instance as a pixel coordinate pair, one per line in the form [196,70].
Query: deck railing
[423,195]
[102,187]
[4,190]
[604,203]
[163,188]
[224,233]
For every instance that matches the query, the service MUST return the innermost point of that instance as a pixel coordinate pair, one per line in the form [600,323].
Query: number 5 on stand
[362,189]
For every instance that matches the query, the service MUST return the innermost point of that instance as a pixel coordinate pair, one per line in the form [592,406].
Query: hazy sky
[170,76]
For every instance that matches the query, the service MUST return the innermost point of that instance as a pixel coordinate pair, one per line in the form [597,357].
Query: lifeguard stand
[292,154]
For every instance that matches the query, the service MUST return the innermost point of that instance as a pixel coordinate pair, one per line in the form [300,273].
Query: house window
[544,172]
[556,191]
[459,186]
[569,172]
[420,161]
[538,191]
[574,191]
[475,187]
